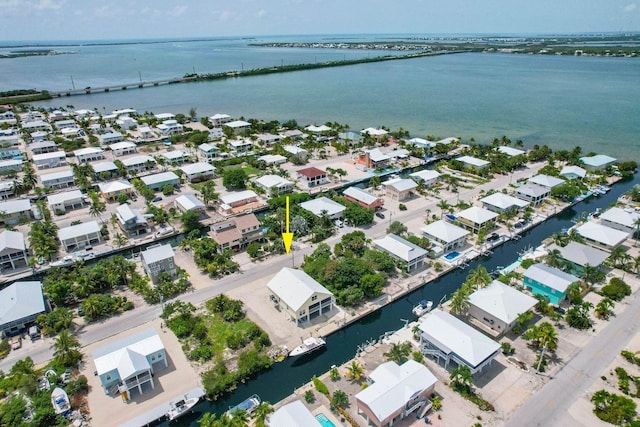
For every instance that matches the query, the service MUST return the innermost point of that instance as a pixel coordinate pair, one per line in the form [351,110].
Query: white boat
[67,260]
[307,346]
[181,407]
[60,401]
[422,308]
[248,405]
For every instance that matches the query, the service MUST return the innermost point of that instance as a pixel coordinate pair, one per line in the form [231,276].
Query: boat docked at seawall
[60,401]
[308,345]
[181,407]
[422,308]
[248,405]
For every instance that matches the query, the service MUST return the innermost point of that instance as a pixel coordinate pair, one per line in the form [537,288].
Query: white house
[510,151]
[60,202]
[573,172]
[157,260]
[50,160]
[79,236]
[200,171]
[498,306]
[294,414]
[219,119]
[174,157]
[111,138]
[317,129]
[532,193]
[15,211]
[427,176]
[403,250]
[131,221]
[43,147]
[324,205]
[105,170]
[127,122]
[13,252]
[273,159]
[6,190]
[61,179]
[446,235]
[137,164]
[299,296]
[399,188]
[296,151]
[501,203]
[240,145]
[475,218]
[473,162]
[601,236]
[189,202]
[238,126]
[546,181]
[312,176]
[20,304]
[597,162]
[208,151]
[169,127]
[621,219]
[145,132]
[111,190]
[123,148]
[89,154]
[447,338]
[10,165]
[275,183]
[158,180]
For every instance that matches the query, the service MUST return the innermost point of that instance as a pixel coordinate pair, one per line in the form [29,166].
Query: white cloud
[630,7]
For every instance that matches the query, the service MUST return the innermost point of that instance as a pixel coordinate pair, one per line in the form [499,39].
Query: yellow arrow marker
[287,237]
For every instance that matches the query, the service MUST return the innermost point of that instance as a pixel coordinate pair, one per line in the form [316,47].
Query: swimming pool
[452,255]
[324,421]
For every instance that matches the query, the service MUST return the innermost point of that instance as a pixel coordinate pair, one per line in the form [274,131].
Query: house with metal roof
[170,127]
[89,154]
[299,296]
[372,159]
[236,233]
[475,219]
[131,221]
[159,259]
[123,148]
[61,179]
[43,147]
[137,164]
[323,204]
[548,282]
[510,151]
[67,200]
[473,162]
[158,180]
[20,304]
[10,165]
[294,414]
[6,190]
[579,256]
[296,151]
[573,172]
[532,193]
[112,189]
[399,189]
[189,203]
[501,203]
[129,365]
[238,201]
[601,236]
[219,119]
[317,129]
[238,126]
[448,339]
[445,234]
[15,211]
[597,162]
[275,184]
[273,159]
[312,176]
[175,157]
[363,198]
[105,170]
[111,138]
[412,255]
[79,236]
[13,252]
[546,181]
[395,392]
[50,160]
[498,306]
[208,151]
[198,172]
[626,220]
[426,176]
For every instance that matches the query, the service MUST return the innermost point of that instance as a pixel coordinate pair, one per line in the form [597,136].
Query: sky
[123,19]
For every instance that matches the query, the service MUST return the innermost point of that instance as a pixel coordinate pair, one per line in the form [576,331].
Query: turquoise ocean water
[561,101]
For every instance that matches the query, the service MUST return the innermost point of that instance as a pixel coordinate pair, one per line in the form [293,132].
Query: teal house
[548,281]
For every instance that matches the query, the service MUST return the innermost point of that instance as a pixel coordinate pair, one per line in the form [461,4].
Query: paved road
[41,351]
[550,405]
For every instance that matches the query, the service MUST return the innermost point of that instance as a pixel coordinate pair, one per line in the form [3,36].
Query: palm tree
[636,223]
[208,420]
[239,418]
[604,307]
[443,205]
[601,399]
[461,377]
[355,371]
[554,259]
[592,275]
[120,240]
[97,208]
[208,193]
[574,293]
[398,353]
[460,301]
[339,399]
[574,236]
[66,349]
[261,413]
[375,182]
[560,239]
[479,277]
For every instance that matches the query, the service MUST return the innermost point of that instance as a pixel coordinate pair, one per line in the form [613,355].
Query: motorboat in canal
[309,345]
[60,401]
[422,308]
[181,407]
[248,405]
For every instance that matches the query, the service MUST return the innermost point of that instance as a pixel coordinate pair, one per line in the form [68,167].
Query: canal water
[283,378]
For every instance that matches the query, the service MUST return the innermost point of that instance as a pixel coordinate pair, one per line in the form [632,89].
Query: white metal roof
[394,386]
[598,160]
[532,190]
[602,234]
[399,247]
[20,300]
[79,230]
[452,335]
[321,204]
[189,202]
[295,287]
[551,277]
[444,231]
[502,301]
[360,194]
[376,155]
[573,170]
[122,145]
[88,150]
[272,158]
[11,240]
[15,206]
[128,356]
[113,186]
[240,142]
[425,175]
[159,177]
[56,199]
[157,253]
[164,116]
[546,181]
[66,173]
[510,151]
[104,167]
[138,160]
[294,414]
[237,196]
[125,213]
[621,216]
[199,167]
[219,116]
[503,201]
[477,215]
[173,155]
[374,131]
[205,147]
[294,149]
[473,161]
[400,184]
[52,155]
[581,254]
[317,129]
[269,181]
[238,124]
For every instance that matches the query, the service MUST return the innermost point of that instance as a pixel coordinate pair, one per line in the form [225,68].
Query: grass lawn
[250,170]
[219,331]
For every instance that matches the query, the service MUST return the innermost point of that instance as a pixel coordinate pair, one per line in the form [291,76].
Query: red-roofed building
[312,176]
